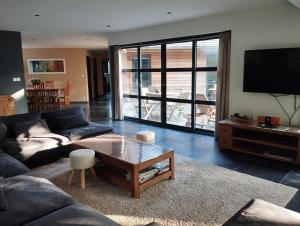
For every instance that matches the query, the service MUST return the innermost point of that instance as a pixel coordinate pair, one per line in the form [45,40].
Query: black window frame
[163,71]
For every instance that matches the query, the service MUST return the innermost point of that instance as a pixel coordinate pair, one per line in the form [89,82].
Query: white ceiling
[82,23]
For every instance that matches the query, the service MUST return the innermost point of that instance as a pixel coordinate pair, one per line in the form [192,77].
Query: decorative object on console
[236,117]
[268,121]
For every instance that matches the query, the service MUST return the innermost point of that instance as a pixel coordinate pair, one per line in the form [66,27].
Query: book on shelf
[150,172]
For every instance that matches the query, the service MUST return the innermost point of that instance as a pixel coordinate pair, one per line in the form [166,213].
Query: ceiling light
[108,25]
[169,13]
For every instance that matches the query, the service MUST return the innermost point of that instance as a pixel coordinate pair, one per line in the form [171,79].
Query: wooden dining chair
[7,105]
[39,86]
[65,99]
[49,85]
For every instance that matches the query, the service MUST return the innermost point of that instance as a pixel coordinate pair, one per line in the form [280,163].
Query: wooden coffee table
[121,154]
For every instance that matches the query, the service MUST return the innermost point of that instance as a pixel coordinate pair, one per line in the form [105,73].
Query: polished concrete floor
[202,148]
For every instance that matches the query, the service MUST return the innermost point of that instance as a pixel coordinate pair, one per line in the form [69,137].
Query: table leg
[82,178]
[171,164]
[135,182]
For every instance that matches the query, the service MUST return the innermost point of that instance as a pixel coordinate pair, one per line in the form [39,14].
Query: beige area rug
[201,194]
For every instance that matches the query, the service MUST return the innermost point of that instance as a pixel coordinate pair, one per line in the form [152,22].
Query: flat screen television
[272,71]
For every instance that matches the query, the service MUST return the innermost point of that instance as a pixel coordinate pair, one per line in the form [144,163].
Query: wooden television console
[282,145]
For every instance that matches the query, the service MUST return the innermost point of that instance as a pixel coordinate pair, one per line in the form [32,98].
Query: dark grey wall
[11,66]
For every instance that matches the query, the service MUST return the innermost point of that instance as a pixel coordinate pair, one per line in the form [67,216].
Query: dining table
[43,99]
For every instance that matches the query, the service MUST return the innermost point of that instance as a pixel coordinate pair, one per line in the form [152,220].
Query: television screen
[272,71]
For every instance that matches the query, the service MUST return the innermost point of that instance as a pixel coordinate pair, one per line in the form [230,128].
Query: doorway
[106,76]
[92,73]
[89,74]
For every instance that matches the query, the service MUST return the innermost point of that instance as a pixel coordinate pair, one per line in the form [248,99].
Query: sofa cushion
[48,156]
[30,198]
[72,121]
[52,116]
[10,167]
[36,143]
[30,128]
[3,201]
[261,213]
[74,215]
[12,119]
[3,131]
[85,131]
[12,148]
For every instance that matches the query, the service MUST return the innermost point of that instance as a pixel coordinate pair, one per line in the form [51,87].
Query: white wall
[273,27]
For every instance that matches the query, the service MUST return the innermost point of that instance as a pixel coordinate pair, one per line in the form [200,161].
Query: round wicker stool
[146,136]
[82,159]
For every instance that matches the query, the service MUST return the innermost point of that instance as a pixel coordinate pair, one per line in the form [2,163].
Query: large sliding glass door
[172,83]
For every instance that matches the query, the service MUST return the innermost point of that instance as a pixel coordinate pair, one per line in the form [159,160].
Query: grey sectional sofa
[34,201]
[39,138]
[261,213]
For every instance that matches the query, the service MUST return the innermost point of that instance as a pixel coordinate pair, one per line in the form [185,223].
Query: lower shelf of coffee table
[117,177]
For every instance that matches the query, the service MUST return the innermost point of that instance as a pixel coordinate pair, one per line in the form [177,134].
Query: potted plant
[35,81]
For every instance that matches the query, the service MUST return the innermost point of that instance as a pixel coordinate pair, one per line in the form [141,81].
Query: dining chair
[38,86]
[176,110]
[49,85]
[204,113]
[65,99]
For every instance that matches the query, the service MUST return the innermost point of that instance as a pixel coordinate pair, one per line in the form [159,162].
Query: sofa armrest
[10,167]
[261,213]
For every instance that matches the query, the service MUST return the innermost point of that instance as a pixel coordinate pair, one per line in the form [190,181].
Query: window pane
[179,114]
[206,85]
[129,58]
[151,57]
[207,53]
[131,107]
[130,83]
[205,117]
[151,84]
[151,110]
[179,55]
[179,85]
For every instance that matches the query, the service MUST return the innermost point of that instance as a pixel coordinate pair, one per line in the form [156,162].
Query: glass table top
[123,148]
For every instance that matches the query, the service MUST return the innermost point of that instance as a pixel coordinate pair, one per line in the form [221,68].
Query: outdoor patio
[145,71]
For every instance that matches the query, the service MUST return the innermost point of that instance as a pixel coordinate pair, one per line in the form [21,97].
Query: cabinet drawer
[225,130]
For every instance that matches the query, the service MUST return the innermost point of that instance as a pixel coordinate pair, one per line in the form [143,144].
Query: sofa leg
[82,178]
[71,177]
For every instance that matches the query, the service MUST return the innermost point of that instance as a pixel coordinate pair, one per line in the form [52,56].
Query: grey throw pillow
[3,201]
[28,129]
[3,131]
